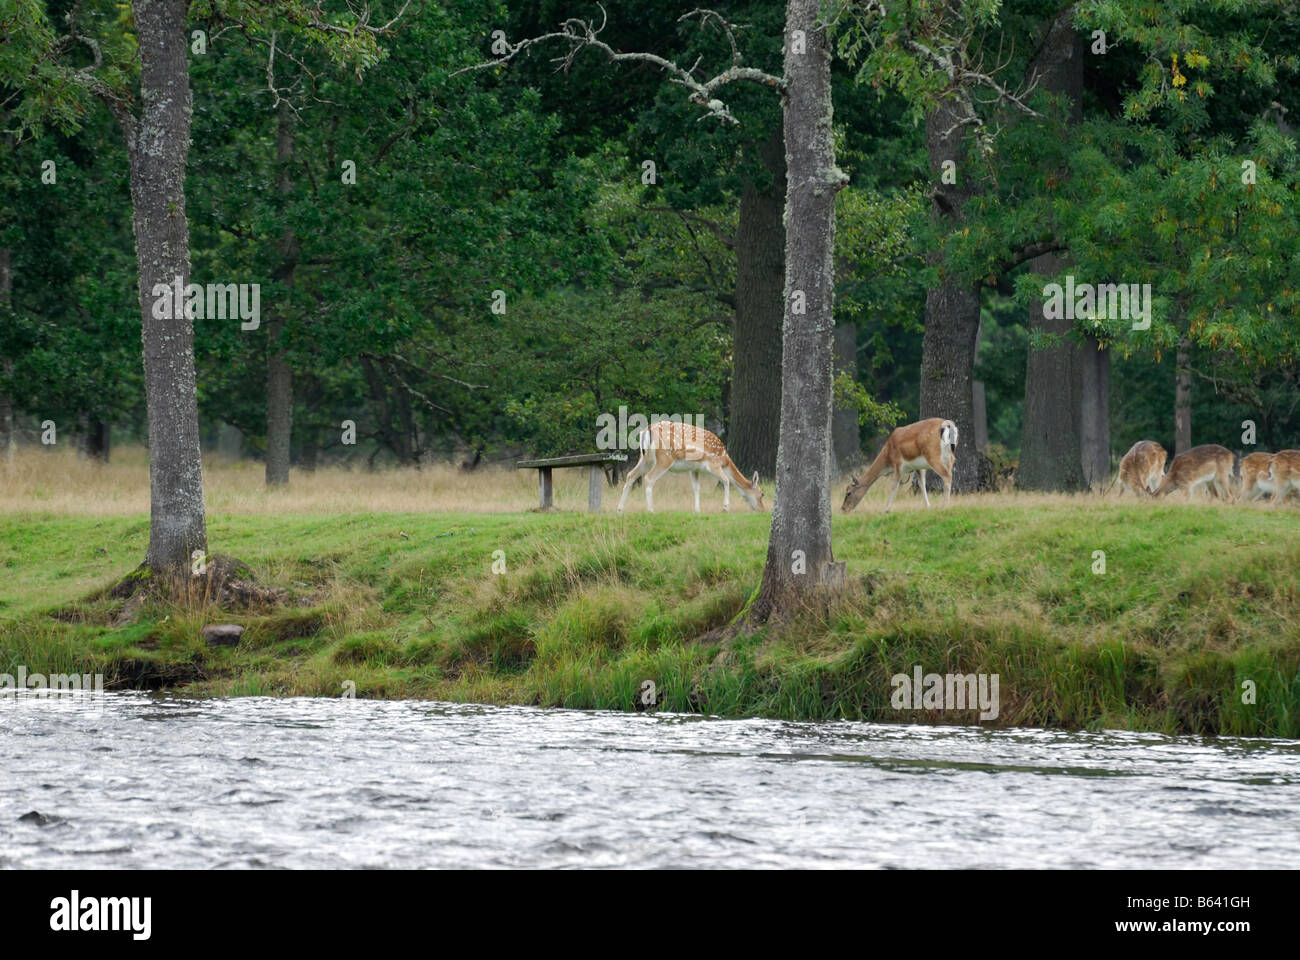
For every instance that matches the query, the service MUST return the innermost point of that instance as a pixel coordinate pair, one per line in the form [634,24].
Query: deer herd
[1210,466]
[931,445]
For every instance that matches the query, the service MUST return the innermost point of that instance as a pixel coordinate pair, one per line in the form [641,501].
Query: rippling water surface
[138,781]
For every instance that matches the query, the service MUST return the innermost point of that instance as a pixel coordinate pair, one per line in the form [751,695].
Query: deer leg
[640,468]
[924,494]
[651,479]
[898,482]
[946,477]
[695,482]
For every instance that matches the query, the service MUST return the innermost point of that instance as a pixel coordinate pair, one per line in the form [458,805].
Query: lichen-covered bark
[755,398]
[158,144]
[799,551]
[279,376]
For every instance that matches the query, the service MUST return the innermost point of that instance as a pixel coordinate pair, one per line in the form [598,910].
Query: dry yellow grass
[60,482]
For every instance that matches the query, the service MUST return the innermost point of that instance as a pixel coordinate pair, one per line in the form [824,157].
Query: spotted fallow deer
[685,448]
[1208,465]
[1270,473]
[1257,477]
[1142,468]
[1286,473]
[910,449]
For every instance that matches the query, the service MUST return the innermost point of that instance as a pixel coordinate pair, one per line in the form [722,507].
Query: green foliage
[529,181]
[871,412]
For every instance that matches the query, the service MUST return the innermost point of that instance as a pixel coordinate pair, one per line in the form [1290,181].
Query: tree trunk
[8,442]
[755,400]
[158,145]
[952,306]
[799,564]
[1183,398]
[94,439]
[1049,443]
[279,377]
[230,441]
[1094,419]
[1051,446]
[279,406]
[844,422]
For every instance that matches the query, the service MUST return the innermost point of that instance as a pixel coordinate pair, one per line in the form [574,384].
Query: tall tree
[279,375]
[952,304]
[158,143]
[800,564]
[1051,444]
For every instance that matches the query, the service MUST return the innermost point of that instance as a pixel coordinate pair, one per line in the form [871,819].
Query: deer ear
[755,480]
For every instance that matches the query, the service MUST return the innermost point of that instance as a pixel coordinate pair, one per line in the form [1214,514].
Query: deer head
[754,495]
[853,495]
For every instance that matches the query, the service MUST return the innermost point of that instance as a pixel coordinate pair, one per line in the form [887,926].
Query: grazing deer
[1257,477]
[927,443]
[1208,465]
[685,448]
[1142,468]
[1285,474]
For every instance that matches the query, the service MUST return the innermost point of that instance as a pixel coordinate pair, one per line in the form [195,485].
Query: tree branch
[1028,252]
[580,34]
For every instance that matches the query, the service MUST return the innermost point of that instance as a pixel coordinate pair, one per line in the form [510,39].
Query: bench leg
[544,489]
[594,476]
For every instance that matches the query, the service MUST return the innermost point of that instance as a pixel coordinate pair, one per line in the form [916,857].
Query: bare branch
[582,34]
[362,22]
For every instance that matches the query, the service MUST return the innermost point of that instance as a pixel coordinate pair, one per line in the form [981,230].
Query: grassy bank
[1195,600]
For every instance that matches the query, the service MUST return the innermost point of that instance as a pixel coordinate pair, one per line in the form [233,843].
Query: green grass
[1195,601]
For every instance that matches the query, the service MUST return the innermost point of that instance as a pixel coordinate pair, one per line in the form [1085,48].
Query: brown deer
[1286,473]
[685,448]
[1208,465]
[1275,473]
[1142,468]
[1257,477]
[910,449]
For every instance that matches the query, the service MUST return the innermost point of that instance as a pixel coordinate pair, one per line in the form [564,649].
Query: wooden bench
[594,462]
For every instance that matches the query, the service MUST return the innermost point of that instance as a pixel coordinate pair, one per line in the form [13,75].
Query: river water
[137,780]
